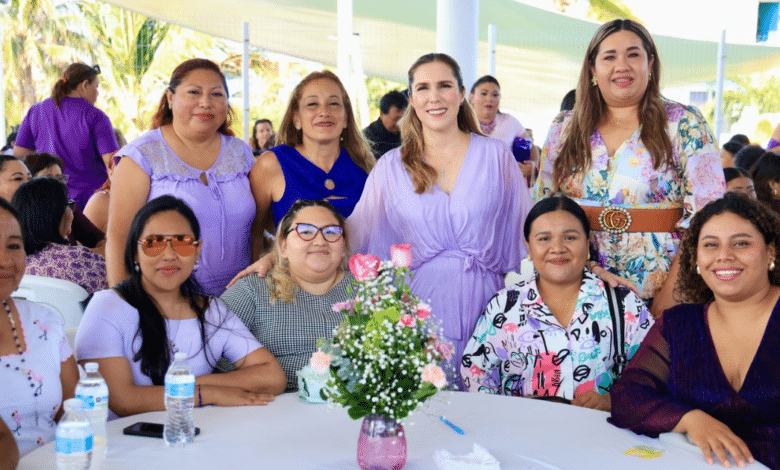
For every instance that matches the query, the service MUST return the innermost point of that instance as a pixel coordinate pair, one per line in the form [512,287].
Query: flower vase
[382,444]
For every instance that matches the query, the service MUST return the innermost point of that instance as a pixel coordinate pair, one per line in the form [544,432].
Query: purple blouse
[77,132]
[677,370]
[224,207]
[76,264]
[462,243]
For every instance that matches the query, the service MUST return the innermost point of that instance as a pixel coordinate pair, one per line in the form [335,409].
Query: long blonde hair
[591,109]
[279,280]
[351,137]
[412,140]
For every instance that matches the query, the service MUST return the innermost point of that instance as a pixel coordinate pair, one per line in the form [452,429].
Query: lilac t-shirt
[110,324]
[225,207]
[77,132]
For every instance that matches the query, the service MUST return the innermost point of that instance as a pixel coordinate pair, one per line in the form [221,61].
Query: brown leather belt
[616,219]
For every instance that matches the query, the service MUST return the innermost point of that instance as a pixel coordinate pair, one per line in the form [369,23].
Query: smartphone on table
[148,430]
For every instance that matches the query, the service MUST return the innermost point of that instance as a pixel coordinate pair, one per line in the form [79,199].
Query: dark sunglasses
[154,245]
[307,232]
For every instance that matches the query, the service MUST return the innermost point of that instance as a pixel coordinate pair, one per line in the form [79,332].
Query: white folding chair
[63,296]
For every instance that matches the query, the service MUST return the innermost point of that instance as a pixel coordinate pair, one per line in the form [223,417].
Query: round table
[290,434]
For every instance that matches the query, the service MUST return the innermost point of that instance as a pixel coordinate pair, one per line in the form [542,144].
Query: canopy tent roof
[538,56]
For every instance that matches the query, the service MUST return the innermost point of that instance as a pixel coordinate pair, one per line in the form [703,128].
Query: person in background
[747,156]
[37,368]
[8,148]
[738,181]
[46,215]
[321,154]
[624,145]
[83,230]
[190,153]
[263,136]
[555,335]
[729,150]
[292,307]
[8,448]
[774,142]
[133,330]
[766,178]
[70,126]
[567,103]
[97,206]
[13,173]
[485,97]
[384,134]
[709,368]
[121,142]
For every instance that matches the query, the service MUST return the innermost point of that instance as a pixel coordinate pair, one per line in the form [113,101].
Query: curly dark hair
[690,285]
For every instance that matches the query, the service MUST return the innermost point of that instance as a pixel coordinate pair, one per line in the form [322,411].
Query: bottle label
[89,402]
[70,446]
[180,390]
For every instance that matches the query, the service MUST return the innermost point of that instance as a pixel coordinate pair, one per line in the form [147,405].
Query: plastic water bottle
[93,392]
[179,402]
[74,438]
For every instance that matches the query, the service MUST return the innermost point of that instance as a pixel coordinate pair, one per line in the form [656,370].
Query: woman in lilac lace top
[710,368]
[190,153]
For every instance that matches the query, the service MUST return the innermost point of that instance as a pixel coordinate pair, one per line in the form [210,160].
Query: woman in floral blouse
[554,335]
[624,145]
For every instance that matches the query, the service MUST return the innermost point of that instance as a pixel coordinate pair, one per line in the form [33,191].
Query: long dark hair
[41,204]
[155,351]
[164,114]
[72,77]
[767,169]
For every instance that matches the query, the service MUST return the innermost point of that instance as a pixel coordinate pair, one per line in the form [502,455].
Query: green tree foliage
[761,92]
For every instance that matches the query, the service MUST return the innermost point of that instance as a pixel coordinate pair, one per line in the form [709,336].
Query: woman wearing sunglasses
[134,329]
[46,216]
[291,307]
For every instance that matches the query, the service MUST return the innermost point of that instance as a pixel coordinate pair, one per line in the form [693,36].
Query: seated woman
[133,329]
[37,368]
[739,181]
[46,214]
[13,173]
[291,308]
[710,368]
[555,335]
[84,231]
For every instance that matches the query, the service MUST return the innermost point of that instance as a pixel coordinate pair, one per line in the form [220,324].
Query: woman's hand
[613,279]
[711,436]
[260,267]
[594,400]
[232,396]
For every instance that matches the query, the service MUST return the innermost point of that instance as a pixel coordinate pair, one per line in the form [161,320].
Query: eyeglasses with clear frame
[154,245]
[308,232]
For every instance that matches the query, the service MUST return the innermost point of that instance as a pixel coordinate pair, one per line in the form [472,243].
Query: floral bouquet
[384,357]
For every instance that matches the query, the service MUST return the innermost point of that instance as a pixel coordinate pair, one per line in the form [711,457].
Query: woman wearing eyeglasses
[70,126]
[291,307]
[134,329]
[46,216]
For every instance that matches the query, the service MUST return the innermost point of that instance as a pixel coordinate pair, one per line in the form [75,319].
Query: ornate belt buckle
[614,219]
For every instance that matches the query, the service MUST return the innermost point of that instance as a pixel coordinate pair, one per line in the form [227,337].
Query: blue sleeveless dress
[342,186]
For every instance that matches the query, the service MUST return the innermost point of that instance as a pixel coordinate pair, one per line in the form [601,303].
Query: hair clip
[96,68]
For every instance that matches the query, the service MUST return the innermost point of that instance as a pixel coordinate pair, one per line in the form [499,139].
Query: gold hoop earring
[594,81]
[698,271]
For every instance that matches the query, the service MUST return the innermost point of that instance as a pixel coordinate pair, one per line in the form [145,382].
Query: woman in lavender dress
[455,195]
[189,153]
[710,368]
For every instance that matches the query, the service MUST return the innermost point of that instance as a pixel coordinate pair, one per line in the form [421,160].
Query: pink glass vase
[382,444]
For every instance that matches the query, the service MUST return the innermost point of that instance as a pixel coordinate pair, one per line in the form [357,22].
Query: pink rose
[407,320]
[435,375]
[348,305]
[320,362]
[444,348]
[364,267]
[401,255]
[423,310]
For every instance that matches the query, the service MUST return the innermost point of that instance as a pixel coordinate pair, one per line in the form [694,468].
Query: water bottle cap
[73,404]
[180,356]
[91,366]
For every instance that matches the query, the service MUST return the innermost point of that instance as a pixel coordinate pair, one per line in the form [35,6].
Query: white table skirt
[290,434]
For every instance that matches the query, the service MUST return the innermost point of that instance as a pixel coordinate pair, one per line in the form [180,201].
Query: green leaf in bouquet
[426,391]
[359,411]
[358,319]
[390,314]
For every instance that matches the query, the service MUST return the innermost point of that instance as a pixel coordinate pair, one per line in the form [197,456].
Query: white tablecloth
[290,434]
